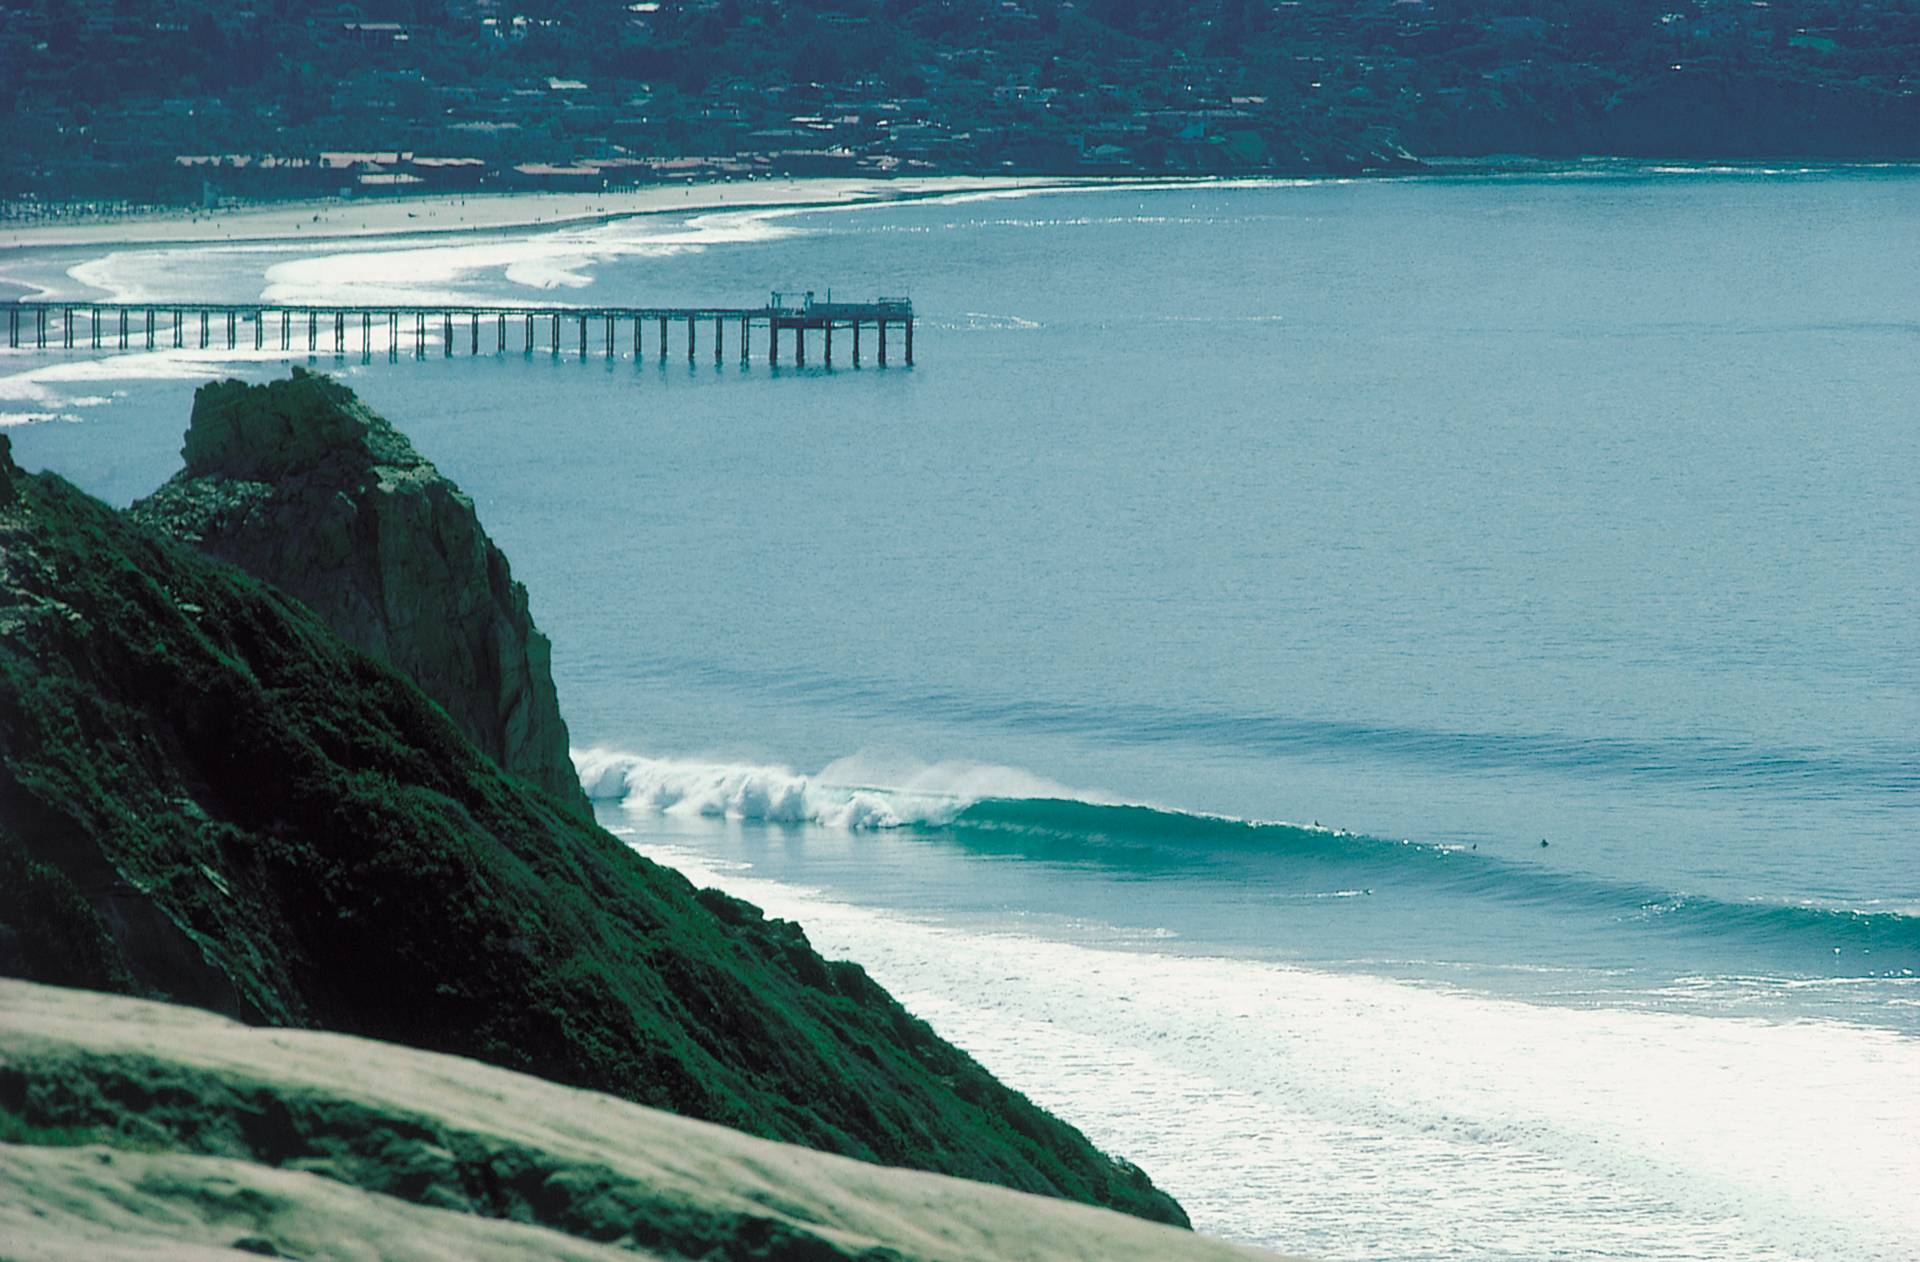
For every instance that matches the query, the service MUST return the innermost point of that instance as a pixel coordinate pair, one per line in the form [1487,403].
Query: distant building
[375,34]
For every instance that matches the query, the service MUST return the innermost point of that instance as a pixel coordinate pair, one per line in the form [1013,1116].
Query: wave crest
[844,794]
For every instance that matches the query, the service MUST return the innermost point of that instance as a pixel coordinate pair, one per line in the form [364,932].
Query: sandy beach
[335,218]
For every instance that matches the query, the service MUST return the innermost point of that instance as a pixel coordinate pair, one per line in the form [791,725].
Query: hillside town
[191,100]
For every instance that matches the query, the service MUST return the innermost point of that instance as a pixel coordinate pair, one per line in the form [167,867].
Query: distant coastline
[442,214]
[437,214]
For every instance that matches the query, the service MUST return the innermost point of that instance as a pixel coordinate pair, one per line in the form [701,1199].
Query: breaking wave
[1017,810]
[844,794]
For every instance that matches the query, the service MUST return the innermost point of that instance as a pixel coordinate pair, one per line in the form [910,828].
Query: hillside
[207,796]
[183,99]
[126,1127]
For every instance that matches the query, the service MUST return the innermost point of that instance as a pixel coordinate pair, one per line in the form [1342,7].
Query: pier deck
[495,329]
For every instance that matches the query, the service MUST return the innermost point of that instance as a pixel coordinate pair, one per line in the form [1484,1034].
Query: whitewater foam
[471,271]
[1348,1116]
[864,791]
[981,320]
[37,388]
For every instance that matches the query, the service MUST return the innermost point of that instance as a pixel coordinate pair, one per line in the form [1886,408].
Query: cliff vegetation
[207,796]
[130,1128]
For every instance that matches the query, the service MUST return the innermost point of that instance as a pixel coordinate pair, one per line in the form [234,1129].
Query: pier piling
[780,316]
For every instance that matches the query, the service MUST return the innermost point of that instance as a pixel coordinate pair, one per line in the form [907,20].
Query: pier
[471,330]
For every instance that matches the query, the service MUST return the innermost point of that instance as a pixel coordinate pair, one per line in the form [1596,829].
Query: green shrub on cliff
[253,817]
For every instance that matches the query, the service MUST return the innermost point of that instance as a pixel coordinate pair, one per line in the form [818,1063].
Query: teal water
[1444,515]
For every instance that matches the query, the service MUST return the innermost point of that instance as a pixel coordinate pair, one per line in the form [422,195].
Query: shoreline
[448,214]
[443,215]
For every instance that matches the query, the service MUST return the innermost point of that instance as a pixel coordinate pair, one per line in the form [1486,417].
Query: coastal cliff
[304,487]
[207,796]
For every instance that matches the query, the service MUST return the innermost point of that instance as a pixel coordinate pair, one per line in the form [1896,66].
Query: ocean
[1391,704]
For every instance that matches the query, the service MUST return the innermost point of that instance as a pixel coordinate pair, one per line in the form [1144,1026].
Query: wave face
[1006,810]
[1892,933]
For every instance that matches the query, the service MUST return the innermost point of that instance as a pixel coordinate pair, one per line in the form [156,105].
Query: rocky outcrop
[304,487]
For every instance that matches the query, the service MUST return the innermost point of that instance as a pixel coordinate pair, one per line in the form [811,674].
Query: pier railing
[319,328]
